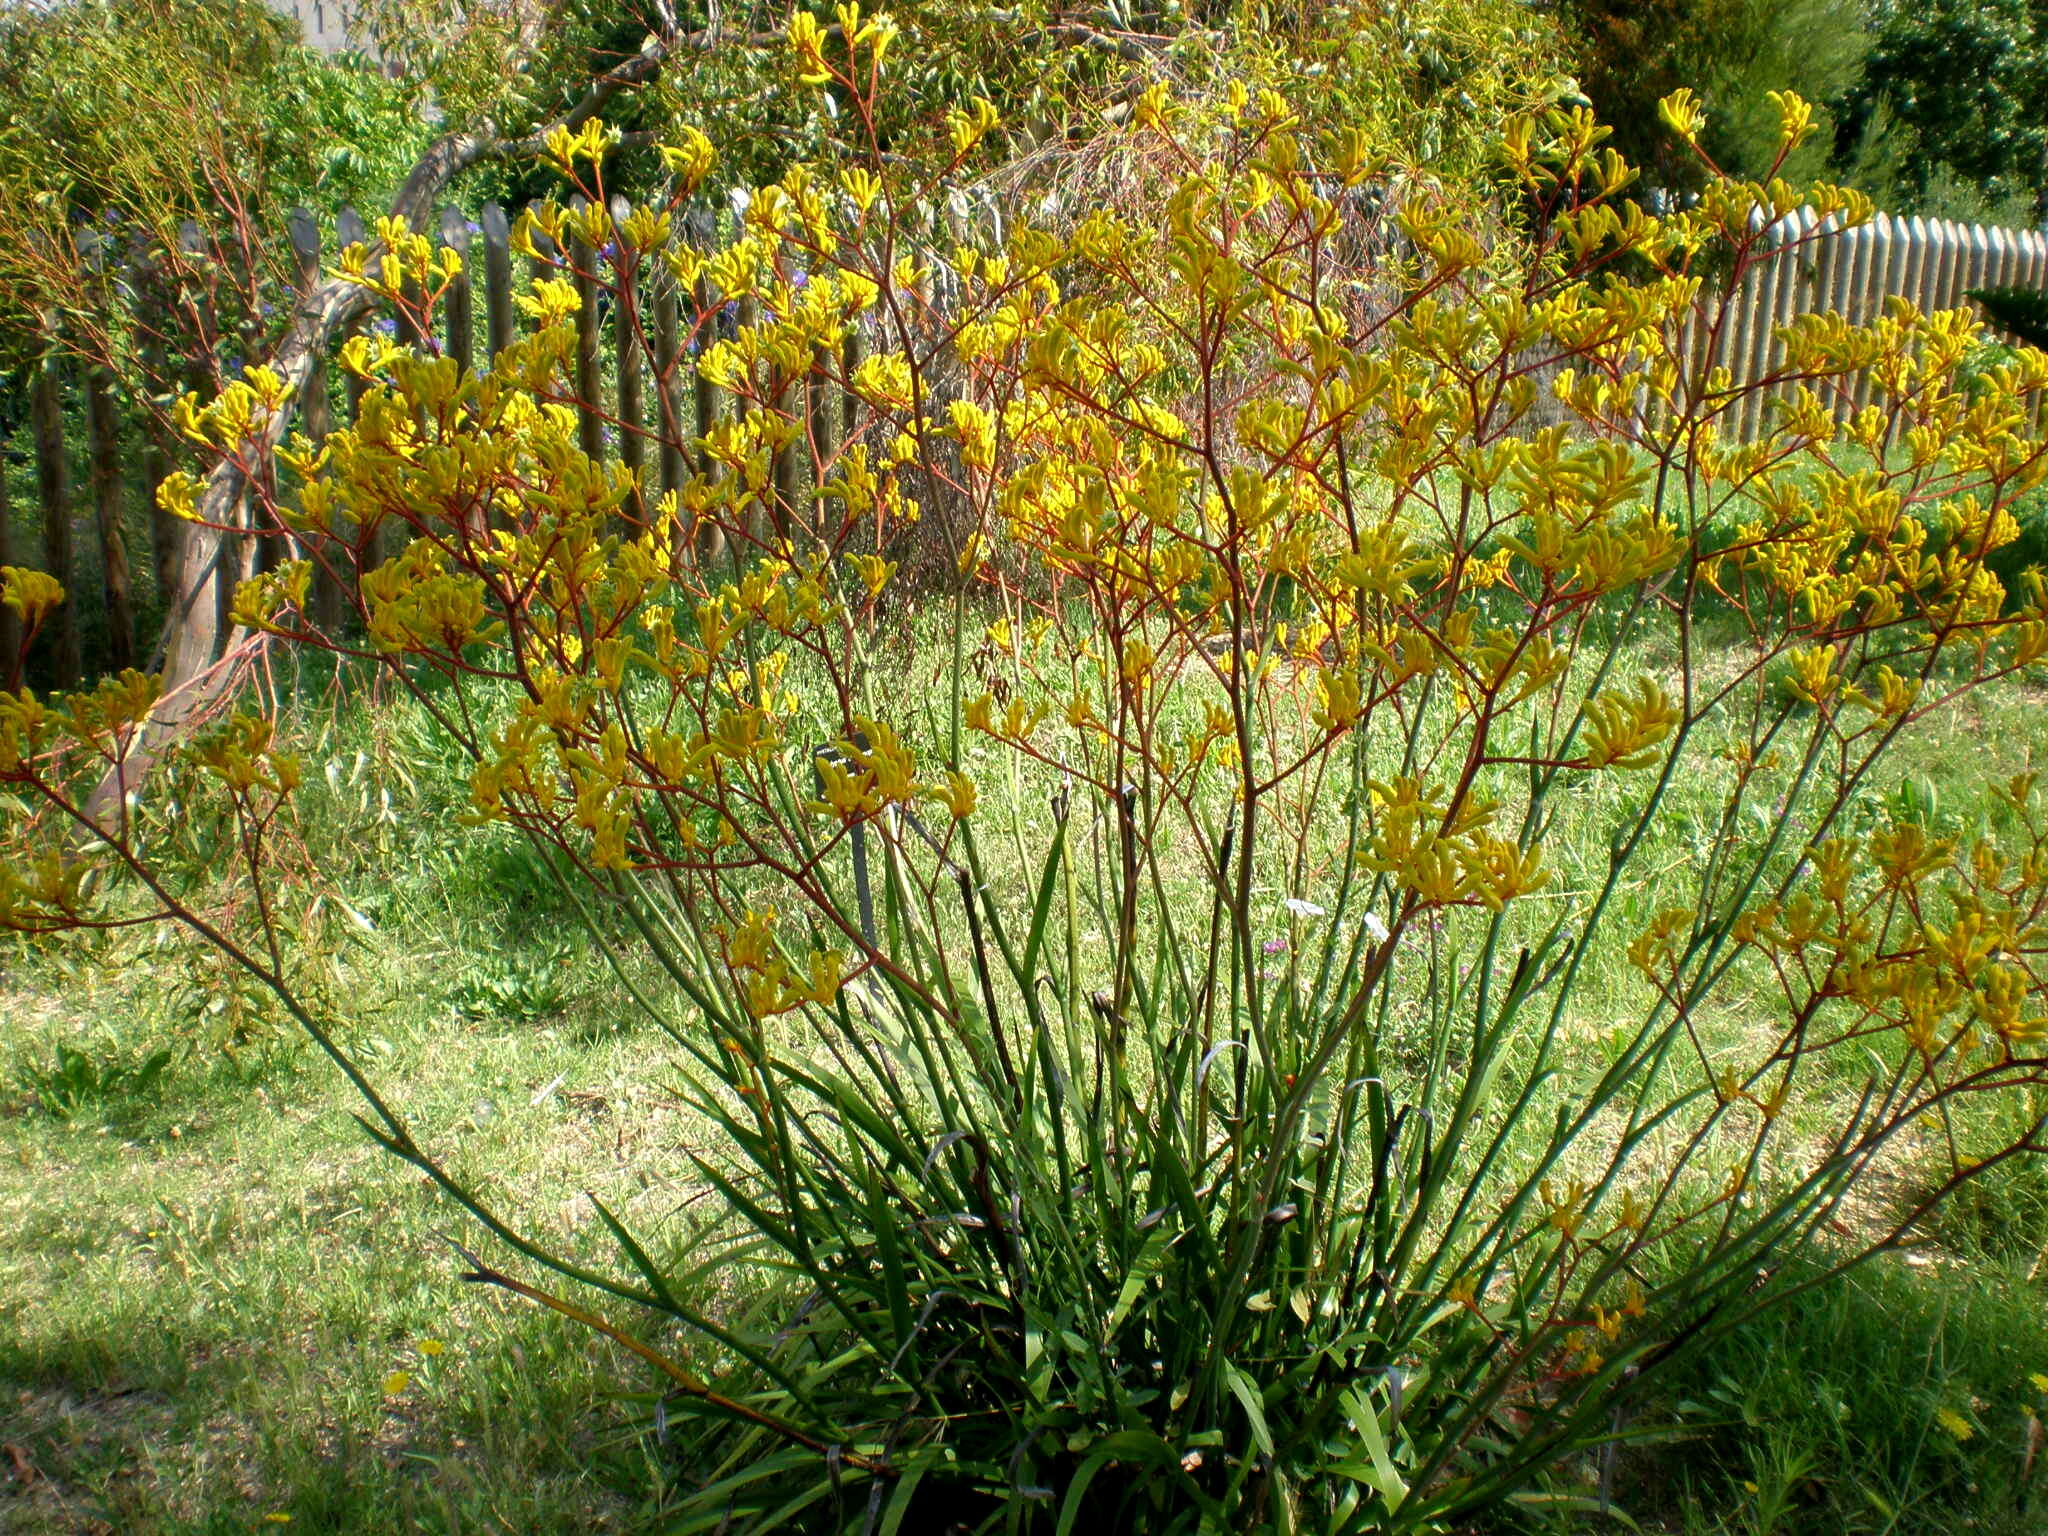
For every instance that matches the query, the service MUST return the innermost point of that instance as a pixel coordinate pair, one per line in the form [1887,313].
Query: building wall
[325,23]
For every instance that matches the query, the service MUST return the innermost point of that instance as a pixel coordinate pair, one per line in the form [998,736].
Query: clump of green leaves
[77,1081]
[516,986]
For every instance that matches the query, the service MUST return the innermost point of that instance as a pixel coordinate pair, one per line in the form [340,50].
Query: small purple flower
[384,325]
[1275,946]
[472,226]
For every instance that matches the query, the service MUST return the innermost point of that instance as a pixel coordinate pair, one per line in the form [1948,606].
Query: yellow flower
[1954,1423]
[432,1348]
[31,594]
[874,572]
[886,760]
[396,1383]
[1813,673]
[847,794]
[1339,700]
[956,794]
[2040,1383]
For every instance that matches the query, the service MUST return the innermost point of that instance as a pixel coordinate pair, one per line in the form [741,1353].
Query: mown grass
[211,1285]
[204,1296]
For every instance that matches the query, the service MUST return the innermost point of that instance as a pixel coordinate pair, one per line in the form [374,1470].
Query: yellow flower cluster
[1899,932]
[767,982]
[1444,852]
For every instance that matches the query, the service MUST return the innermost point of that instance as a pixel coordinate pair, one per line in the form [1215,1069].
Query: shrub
[1150,1056]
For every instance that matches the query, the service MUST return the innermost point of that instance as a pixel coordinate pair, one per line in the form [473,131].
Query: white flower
[1300,908]
[1376,927]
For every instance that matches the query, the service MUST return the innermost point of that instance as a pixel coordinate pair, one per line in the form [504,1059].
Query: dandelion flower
[396,1383]
[432,1347]
[2040,1382]
[1954,1423]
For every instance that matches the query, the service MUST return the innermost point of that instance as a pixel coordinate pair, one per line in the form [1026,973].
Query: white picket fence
[1933,262]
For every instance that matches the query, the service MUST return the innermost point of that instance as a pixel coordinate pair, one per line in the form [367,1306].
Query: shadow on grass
[150,1427]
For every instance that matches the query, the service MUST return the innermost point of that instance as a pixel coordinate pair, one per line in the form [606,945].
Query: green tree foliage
[1422,80]
[2021,311]
[119,122]
[1633,53]
[1961,86]
[117,106]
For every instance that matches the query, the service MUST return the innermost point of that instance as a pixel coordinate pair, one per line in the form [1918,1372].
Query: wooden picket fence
[642,403]
[1820,267]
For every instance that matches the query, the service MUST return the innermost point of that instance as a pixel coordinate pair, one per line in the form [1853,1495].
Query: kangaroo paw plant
[1341,928]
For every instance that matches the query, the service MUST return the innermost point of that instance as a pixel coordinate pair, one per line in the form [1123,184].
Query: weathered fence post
[1978,271]
[374,542]
[1916,281]
[10,623]
[497,234]
[667,360]
[53,489]
[824,413]
[1862,251]
[849,360]
[701,229]
[457,303]
[103,475]
[1947,283]
[348,231]
[626,352]
[165,531]
[1864,295]
[589,373]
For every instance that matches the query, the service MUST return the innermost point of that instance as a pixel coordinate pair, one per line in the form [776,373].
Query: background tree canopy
[1938,108]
